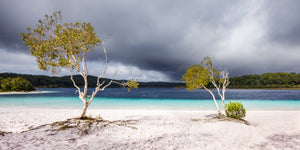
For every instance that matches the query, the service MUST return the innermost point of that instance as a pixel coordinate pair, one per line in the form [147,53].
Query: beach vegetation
[57,44]
[201,75]
[235,110]
[99,117]
[16,84]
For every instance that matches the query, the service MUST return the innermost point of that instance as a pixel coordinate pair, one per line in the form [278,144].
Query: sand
[20,92]
[149,129]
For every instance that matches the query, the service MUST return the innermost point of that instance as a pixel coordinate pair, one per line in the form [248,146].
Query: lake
[155,98]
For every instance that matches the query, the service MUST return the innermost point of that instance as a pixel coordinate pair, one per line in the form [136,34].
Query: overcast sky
[157,40]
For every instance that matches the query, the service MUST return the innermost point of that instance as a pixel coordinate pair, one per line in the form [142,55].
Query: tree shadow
[215,118]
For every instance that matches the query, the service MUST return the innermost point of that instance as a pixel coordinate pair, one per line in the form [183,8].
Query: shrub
[235,110]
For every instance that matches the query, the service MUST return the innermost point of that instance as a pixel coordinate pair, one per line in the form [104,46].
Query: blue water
[156,98]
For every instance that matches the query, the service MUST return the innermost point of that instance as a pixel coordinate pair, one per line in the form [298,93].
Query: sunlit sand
[150,129]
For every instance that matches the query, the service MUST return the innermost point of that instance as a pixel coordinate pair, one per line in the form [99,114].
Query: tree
[59,45]
[200,75]
[6,84]
[16,84]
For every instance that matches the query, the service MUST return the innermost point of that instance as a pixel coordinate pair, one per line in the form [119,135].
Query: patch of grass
[99,117]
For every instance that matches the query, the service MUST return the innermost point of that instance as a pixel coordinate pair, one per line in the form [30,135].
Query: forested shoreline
[267,80]
[42,81]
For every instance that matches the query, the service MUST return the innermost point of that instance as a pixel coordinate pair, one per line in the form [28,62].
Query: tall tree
[200,75]
[57,45]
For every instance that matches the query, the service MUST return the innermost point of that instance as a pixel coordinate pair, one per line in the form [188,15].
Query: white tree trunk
[83,71]
[83,114]
[214,98]
[224,82]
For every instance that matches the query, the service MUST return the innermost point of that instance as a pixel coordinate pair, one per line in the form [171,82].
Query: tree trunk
[83,114]
[212,94]
[223,97]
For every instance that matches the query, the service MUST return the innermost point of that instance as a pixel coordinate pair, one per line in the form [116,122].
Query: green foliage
[132,84]
[16,84]
[99,117]
[197,76]
[60,45]
[267,80]
[235,110]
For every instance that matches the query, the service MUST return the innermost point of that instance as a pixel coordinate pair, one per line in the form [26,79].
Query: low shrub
[235,110]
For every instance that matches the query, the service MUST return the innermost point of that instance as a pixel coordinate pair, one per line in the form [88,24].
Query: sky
[155,40]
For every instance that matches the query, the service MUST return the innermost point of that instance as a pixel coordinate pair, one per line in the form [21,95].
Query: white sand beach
[26,92]
[150,129]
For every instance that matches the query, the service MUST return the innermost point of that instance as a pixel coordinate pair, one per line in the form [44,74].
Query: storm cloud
[159,40]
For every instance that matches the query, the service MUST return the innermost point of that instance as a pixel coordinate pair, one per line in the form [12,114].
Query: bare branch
[108,84]
[99,85]
[84,64]
[74,83]
[106,63]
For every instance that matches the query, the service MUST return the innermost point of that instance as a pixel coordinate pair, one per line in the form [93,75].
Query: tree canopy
[198,75]
[56,44]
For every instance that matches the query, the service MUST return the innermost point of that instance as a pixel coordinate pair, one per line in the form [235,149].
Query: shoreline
[152,129]
[20,92]
[25,92]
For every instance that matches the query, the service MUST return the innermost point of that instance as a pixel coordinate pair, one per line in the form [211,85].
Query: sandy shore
[20,92]
[151,129]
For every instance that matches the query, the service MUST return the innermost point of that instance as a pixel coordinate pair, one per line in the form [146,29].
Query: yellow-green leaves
[54,43]
[132,84]
[198,75]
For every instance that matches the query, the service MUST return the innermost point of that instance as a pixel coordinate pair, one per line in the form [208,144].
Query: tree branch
[106,63]
[74,83]
[108,84]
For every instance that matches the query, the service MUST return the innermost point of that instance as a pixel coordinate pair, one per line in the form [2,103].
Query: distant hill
[42,81]
[267,80]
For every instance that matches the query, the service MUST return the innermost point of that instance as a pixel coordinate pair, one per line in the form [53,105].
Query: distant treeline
[42,81]
[267,80]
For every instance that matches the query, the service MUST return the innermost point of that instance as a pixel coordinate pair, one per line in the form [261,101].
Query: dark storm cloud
[169,36]
[155,35]
[9,32]
[283,21]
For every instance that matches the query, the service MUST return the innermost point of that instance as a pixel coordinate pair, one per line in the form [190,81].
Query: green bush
[235,110]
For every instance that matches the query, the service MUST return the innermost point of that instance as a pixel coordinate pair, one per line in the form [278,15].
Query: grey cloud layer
[168,36]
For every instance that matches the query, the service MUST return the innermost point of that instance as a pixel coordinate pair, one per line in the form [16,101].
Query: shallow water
[155,98]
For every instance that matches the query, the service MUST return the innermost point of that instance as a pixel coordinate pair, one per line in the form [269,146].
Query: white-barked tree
[57,45]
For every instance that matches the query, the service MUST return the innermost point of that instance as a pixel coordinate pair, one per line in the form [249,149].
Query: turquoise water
[133,103]
[155,99]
